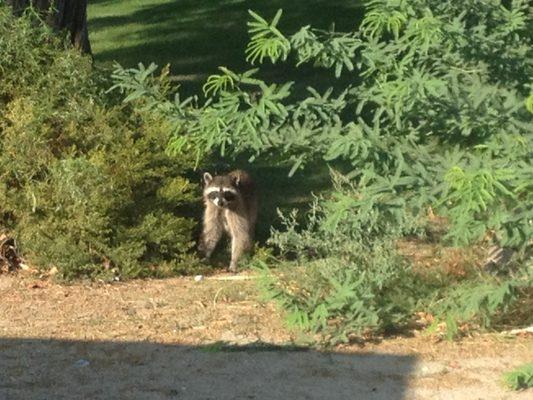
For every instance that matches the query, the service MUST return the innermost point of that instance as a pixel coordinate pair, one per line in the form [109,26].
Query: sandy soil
[181,339]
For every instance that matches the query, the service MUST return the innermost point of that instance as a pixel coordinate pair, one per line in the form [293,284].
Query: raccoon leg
[240,243]
[209,240]
[237,249]
[212,232]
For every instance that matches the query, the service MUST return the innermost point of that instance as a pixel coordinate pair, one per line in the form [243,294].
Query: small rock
[198,278]
[81,363]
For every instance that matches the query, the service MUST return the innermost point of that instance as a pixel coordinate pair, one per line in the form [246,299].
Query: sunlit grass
[196,36]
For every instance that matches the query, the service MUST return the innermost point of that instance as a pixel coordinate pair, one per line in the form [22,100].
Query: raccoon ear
[207,178]
[236,180]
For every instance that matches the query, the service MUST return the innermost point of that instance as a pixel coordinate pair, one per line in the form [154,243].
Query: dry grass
[181,310]
[168,311]
[447,260]
[81,321]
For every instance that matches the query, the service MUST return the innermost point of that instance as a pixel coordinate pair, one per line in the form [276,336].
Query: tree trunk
[61,14]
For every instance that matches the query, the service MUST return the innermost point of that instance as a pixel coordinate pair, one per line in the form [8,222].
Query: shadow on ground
[60,369]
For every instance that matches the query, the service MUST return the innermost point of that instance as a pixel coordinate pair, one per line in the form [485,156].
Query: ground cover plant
[433,124]
[520,377]
[85,184]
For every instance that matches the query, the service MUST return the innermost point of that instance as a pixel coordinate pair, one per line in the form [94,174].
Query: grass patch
[196,36]
[520,377]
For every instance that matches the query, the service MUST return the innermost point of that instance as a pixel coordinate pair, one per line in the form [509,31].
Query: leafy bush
[435,116]
[85,183]
[441,89]
[519,378]
[480,302]
[348,277]
[342,282]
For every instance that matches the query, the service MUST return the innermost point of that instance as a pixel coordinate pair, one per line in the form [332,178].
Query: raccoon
[230,206]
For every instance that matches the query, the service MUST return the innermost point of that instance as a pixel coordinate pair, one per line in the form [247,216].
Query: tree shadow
[65,369]
[196,36]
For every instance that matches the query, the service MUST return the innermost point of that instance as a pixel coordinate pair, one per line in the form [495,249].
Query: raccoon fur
[230,203]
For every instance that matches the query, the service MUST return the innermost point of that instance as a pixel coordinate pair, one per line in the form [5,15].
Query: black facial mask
[228,196]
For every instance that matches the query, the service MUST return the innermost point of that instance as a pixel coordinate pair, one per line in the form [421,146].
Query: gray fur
[236,217]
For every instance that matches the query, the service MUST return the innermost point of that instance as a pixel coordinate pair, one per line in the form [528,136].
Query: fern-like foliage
[383,17]
[219,83]
[479,302]
[327,49]
[266,41]
[433,112]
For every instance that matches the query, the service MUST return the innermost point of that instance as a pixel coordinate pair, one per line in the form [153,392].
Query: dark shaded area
[61,369]
[280,192]
[197,36]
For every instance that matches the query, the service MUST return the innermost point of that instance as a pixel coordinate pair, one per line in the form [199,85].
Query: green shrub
[86,184]
[343,282]
[348,278]
[441,88]
[481,302]
[433,112]
[519,378]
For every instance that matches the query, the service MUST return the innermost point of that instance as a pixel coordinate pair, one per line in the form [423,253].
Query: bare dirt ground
[181,339]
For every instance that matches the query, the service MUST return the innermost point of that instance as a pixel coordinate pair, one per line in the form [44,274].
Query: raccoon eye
[212,195]
[229,196]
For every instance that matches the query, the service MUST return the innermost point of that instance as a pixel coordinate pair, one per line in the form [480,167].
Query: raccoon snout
[219,202]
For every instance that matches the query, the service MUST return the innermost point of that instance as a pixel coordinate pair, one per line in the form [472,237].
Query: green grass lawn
[196,36]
